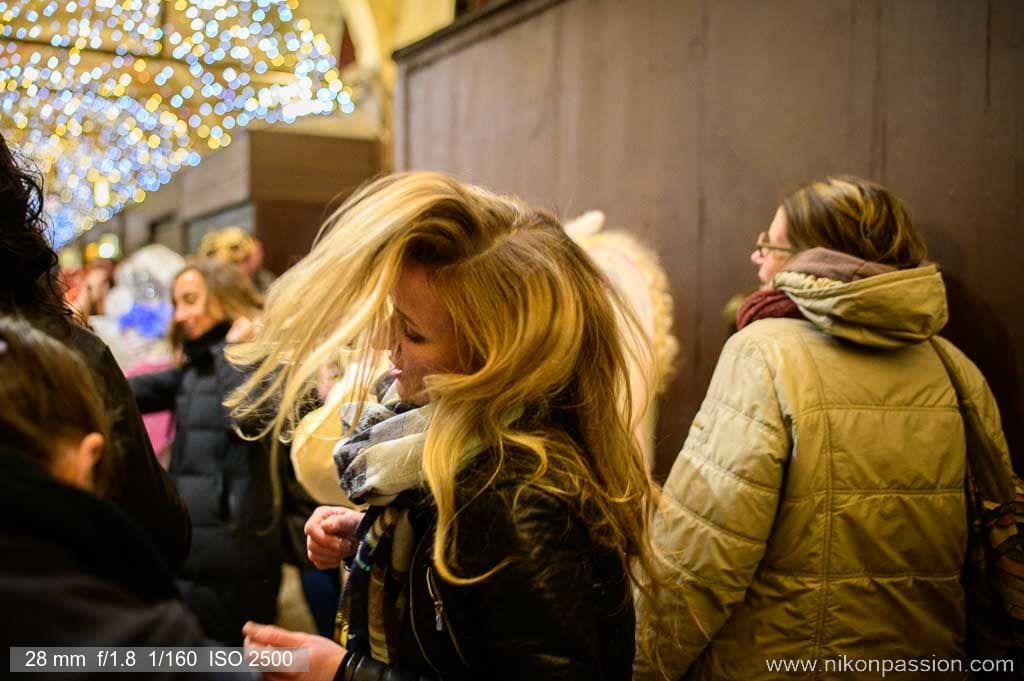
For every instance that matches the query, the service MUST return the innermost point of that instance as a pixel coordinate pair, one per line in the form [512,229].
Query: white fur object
[588,224]
[160,262]
[634,270]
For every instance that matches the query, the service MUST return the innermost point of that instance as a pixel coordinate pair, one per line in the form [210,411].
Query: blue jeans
[322,589]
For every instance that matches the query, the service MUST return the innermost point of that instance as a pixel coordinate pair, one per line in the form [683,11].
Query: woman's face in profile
[195,311]
[422,334]
[768,260]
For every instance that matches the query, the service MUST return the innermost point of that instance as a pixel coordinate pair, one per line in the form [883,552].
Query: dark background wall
[296,181]
[687,120]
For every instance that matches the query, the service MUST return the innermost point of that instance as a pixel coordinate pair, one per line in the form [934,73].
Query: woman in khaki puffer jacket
[817,508]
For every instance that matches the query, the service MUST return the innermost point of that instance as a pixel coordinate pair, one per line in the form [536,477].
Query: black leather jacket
[561,610]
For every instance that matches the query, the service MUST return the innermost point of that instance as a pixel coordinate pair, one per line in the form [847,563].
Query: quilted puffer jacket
[817,507]
[233,571]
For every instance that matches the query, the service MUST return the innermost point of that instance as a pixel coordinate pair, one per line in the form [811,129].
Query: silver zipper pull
[438,603]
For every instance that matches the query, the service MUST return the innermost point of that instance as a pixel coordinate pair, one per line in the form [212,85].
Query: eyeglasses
[764,247]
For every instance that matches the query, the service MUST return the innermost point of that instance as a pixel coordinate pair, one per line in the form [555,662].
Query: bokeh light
[112,97]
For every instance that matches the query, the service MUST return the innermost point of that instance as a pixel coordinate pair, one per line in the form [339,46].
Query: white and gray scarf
[379,461]
[383,455]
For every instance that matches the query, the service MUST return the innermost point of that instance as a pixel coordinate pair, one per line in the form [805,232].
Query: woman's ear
[77,460]
[90,449]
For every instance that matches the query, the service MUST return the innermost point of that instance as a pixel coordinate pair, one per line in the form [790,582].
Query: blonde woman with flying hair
[508,499]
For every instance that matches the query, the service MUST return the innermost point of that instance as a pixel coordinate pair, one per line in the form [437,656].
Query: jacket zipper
[438,603]
[440,619]
[412,613]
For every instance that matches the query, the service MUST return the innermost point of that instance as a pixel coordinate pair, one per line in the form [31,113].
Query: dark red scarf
[763,304]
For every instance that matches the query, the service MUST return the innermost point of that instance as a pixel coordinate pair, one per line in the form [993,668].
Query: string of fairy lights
[111,97]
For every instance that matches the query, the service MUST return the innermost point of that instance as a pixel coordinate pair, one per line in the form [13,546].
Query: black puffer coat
[561,610]
[233,571]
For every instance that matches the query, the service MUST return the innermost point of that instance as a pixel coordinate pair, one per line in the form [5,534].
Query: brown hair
[229,285]
[48,395]
[849,214]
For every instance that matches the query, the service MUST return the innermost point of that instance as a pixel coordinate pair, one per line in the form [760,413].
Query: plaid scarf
[379,464]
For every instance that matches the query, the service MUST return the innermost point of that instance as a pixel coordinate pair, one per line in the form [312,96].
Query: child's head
[50,410]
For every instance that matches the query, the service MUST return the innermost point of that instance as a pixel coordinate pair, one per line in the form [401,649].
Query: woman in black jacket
[507,497]
[233,571]
[28,288]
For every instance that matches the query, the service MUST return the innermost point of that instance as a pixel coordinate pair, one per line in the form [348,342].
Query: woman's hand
[242,329]
[329,535]
[325,655]
[326,377]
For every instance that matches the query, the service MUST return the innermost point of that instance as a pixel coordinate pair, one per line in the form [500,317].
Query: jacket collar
[201,347]
[866,303]
[103,540]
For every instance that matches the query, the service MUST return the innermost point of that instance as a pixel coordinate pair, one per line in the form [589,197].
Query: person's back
[863,448]
[141,487]
[74,568]
[817,509]
[28,288]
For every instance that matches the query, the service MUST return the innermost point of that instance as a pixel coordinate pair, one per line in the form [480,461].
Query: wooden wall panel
[222,179]
[288,166]
[167,201]
[287,229]
[297,179]
[953,143]
[687,120]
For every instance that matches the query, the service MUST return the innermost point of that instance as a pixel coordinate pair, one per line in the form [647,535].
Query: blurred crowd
[426,438]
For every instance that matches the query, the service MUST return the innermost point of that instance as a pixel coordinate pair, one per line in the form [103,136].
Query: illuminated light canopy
[112,97]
